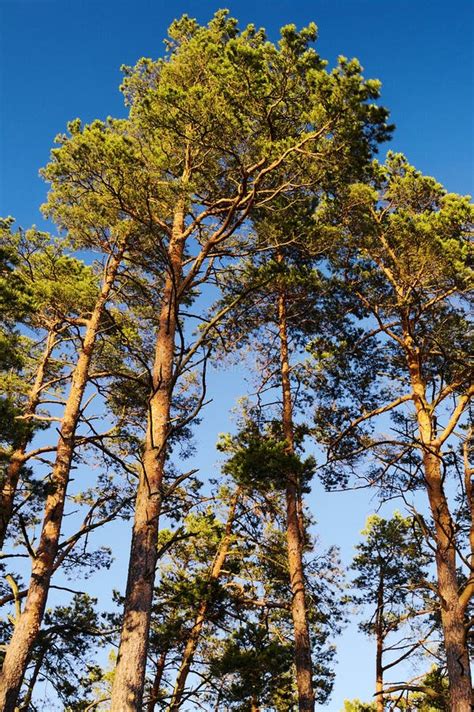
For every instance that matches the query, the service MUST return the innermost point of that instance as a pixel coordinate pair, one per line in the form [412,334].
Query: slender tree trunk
[25,703]
[452,611]
[28,625]
[155,690]
[469,490]
[254,704]
[379,652]
[218,700]
[303,663]
[127,691]
[12,475]
[201,616]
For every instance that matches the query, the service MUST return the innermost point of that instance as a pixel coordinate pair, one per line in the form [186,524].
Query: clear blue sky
[60,59]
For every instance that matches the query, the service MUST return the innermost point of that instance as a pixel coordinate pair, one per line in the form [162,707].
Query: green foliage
[390,564]
[431,696]
[260,461]
[42,289]
[255,665]
[70,637]
[358,706]
[435,695]
[204,121]
[53,285]
[16,305]
[401,251]
[64,653]
[15,298]
[92,164]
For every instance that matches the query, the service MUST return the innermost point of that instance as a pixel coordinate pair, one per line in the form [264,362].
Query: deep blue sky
[60,59]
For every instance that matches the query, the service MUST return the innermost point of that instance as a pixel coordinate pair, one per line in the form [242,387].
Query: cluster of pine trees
[237,215]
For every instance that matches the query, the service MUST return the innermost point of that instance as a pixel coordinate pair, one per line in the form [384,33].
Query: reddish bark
[453,607]
[127,691]
[155,690]
[254,704]
[303,662]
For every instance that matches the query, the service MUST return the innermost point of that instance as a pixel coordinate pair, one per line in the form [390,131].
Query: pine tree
[390,566]
[404,257]
[260,461]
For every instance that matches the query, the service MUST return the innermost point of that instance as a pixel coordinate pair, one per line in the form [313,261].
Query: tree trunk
[127,691]
[469,490]
[201,616]
[303,662]
[12,475]
[155,690]
[379,652]
[28,625]
[25,703]
[452,611]
[254,704]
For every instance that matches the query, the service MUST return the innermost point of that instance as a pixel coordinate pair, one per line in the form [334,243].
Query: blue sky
[61,59]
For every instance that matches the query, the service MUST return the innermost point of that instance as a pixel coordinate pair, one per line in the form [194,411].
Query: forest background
[61,60]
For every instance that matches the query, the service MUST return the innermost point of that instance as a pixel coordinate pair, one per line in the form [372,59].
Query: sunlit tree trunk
[28,624]
[303,663]
[12,475]
[469,490]
[452,609]
[155,690]
[452,612]
[127,691]
[254,704]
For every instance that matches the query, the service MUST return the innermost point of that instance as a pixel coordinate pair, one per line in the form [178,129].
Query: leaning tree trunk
[202,612]
[26,701]
[155,690]
[28,624]
[303,662]
[17,459]
[127,691]
[452,610]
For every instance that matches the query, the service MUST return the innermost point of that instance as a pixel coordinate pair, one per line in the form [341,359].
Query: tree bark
[379,652]
[127,690]
[28,624]
[452,610]
[12,475]
[155,690]
[303,662]
[201,616]
[254,704]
